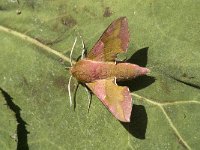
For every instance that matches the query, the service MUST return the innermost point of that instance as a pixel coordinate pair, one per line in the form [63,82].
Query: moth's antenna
[72,51]
[69,90]
[83,44]
[83,48]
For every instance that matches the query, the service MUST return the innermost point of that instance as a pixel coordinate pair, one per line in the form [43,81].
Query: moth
[100,71]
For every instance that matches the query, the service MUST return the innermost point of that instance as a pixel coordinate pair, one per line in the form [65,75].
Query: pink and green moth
[100,71]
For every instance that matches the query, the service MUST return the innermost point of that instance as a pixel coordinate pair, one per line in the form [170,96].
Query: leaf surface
[165,112]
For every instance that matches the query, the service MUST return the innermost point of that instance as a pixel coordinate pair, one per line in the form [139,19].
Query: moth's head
[74,70]
[71,70]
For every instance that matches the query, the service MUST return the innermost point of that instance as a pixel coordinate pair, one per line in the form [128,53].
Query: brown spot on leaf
[107,12]
[68,21]
[61,82]
[186,76]
[30,88]
[49,42]
[184,116]
[25,81]
[3,8]
[165,87]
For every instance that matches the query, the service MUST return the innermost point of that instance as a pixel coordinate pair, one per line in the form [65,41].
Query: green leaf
[35,111]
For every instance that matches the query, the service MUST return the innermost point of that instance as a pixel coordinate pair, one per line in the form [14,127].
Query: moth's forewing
[114,40]
[116,98]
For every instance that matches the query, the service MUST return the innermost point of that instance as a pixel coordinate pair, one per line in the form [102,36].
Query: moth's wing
[116,98]
[114,40]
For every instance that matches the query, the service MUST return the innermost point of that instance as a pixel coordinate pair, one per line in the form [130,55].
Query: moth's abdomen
[126,71]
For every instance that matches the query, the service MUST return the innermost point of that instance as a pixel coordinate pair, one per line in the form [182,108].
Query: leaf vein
[35,42]
[175,129]
[167,117]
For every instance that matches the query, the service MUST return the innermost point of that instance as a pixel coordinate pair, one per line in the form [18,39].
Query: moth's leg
[89,98]
[69,90]
[76,89]
[67,67]
[70,56]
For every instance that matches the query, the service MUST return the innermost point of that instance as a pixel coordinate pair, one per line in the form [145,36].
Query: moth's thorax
[87,71]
